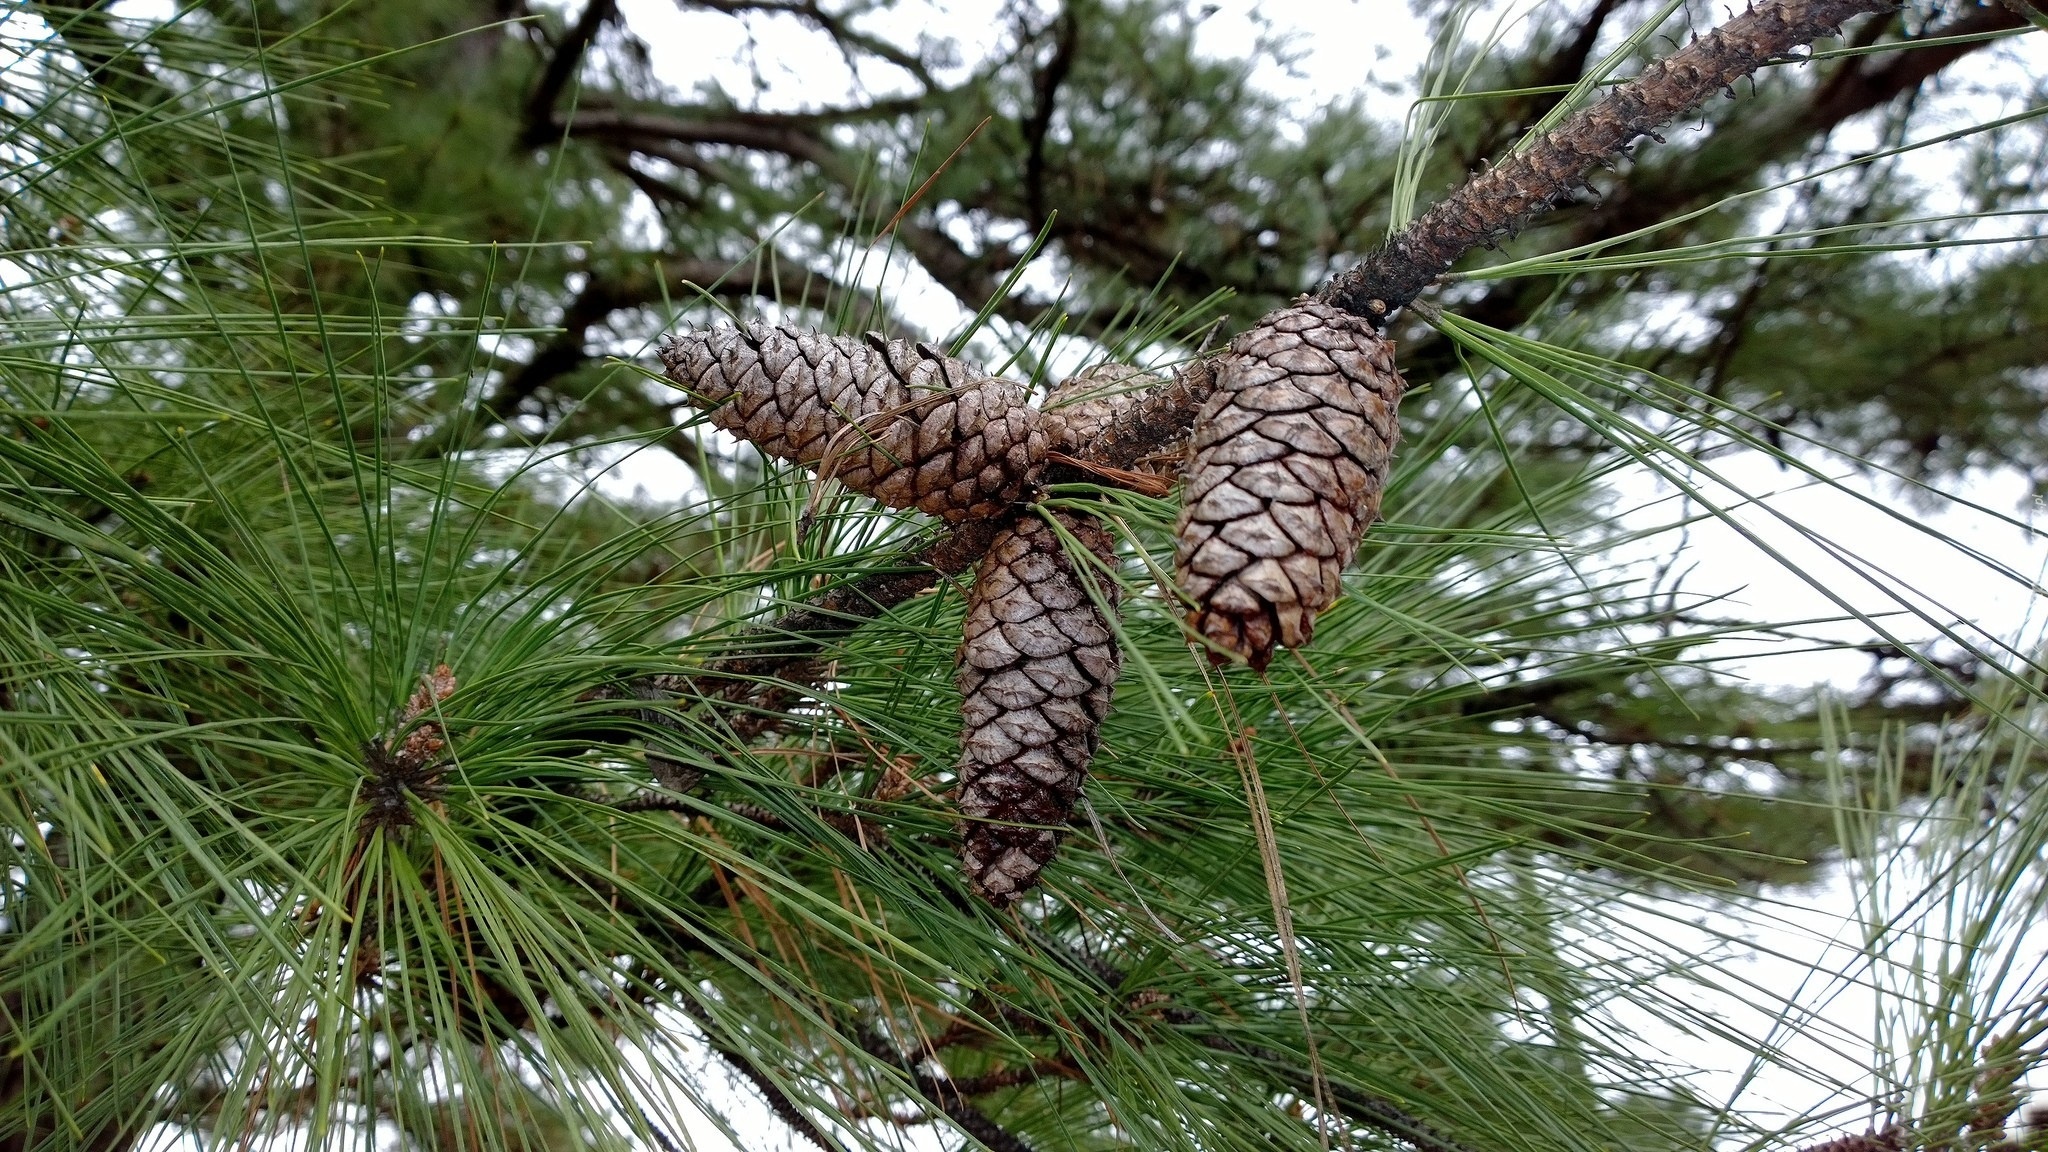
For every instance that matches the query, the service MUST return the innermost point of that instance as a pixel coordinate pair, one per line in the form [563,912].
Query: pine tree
[367,767]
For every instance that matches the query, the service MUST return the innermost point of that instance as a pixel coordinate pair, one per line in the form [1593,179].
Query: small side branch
[945,1095]
[743,1063]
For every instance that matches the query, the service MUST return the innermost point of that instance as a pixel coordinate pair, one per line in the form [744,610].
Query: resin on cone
[1037,666]
[1287,461]
[900,421]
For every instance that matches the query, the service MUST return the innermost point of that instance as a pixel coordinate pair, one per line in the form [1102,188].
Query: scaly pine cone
[901,422]
[1288,459]
[1084,406]
[1037,666]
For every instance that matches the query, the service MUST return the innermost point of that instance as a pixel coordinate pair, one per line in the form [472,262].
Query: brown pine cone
[1084,405]
[1288,458]
[899,421]
[1037,666]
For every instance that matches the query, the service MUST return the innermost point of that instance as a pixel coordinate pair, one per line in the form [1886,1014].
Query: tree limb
[1045,99]
[562,64]
[1491,206]
[1725,162]
[742,1062]
[832,24]
[944,1094]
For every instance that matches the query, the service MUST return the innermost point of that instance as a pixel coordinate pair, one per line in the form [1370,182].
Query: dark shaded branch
[786,650]
[943,1094]
[541,127]
[687,157]
[1006,1078]
[972,279]
[741,1062]
[1562,67]
[1569,65]
[660,191]
[796,137]
[1491,206]
[1045,99]
[832,24]
[1862,83]
[975,280]
[1356,1104]
[1360,1106]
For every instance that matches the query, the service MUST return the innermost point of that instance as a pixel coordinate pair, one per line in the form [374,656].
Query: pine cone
[1037,666]
[901,422]
[1288,459]
[1085,405]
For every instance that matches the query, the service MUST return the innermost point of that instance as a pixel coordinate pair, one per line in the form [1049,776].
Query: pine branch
[742,1062]
[1364,1108]
[1726,162]
[944,1094]
[1492,206]
[1066,29]
[779,650]
[1484,209]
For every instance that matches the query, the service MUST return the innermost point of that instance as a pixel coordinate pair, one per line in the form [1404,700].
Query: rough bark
[1489,207]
